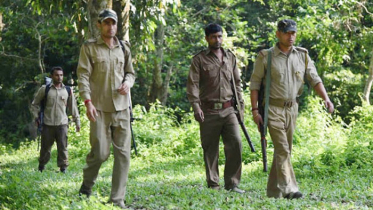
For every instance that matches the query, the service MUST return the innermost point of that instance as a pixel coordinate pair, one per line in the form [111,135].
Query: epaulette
[91,40]
[198,53]
[229,50]
[263,52]
[302,49]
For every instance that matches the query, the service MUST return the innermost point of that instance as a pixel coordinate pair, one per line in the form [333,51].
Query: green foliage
[169,171]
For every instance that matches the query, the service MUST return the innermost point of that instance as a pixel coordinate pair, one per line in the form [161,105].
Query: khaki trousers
[222,123]
[48,136]
[281,125]
[110,128]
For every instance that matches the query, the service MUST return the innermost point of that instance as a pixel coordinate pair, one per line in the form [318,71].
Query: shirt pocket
[299,70]
[278,73]
[210,71]
[101,64]
[119,64]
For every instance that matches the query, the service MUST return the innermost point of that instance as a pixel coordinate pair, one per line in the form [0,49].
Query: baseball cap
[287,25]
[107,13]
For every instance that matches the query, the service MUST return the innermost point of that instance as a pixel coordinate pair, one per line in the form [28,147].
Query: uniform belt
[217,105]
[282,103]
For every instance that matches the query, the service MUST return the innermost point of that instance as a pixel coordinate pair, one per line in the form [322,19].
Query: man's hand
[77,127]
[123,89]
[91,112]
[198,115]
[37,122]
[329,105]
[257,119]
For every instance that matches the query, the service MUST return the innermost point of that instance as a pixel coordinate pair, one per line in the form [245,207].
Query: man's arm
[193,90]
[84,73]
[238,84]
[130,77]
[320,90]
[74,110]
[35,105]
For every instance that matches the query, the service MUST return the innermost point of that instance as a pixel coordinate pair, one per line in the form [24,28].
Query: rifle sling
[266,92]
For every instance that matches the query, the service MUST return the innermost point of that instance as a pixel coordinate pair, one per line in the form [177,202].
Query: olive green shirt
[288,73]
[209,79]
[55,108]
[101,71]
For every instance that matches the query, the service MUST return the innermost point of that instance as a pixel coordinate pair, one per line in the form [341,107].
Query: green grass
[169,171]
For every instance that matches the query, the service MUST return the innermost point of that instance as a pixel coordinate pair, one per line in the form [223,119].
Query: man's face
[108,28]
[215,40]
[286,39]
[57,76]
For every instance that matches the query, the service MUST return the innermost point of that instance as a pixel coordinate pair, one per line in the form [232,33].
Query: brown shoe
[295,195]
[85,191]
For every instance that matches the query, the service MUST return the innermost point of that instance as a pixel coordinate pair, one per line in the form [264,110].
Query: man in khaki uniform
[291,67]
[55,120]
[106,75]
[209,90]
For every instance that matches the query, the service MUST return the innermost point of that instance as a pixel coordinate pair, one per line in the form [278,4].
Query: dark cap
[286,25]
[107,13]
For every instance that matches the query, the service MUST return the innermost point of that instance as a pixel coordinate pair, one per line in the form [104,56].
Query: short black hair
[56,68]
[213,28]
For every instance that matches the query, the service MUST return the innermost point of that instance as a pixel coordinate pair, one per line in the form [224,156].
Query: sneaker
[237,190]
[85,191]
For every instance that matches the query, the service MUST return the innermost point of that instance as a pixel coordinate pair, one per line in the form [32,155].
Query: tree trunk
[122,8]
[1,24]
[159,88]
[368,84]
[94,8]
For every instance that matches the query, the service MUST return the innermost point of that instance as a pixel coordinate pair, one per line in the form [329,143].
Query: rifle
[238,108]
[130,105]
[263,103]
[40,121]
[263,140]
[131,120]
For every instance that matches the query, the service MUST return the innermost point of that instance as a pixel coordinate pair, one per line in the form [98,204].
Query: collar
[208,50]
[277,50]
[101,41]
[52,85]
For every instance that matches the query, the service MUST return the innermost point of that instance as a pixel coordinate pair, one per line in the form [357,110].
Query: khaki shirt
[55,108]
[101,71]
[209,79]
[288,73]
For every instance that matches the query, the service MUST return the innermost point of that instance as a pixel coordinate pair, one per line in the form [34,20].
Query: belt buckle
[288,103]
[218,105]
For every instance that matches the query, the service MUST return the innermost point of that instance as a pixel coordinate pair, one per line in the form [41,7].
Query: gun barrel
[263,143]
[247,137]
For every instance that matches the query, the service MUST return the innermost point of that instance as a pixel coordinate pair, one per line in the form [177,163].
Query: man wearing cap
[210,92]
[290,68]
[106,75]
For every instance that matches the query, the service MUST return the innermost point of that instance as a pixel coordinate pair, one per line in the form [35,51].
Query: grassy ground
[332,162]
[169,183]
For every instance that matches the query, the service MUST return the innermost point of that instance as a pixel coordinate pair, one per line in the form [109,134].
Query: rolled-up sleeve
[258,73]
[311,74]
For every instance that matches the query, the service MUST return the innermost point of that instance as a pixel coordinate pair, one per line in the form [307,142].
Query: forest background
[164,35]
